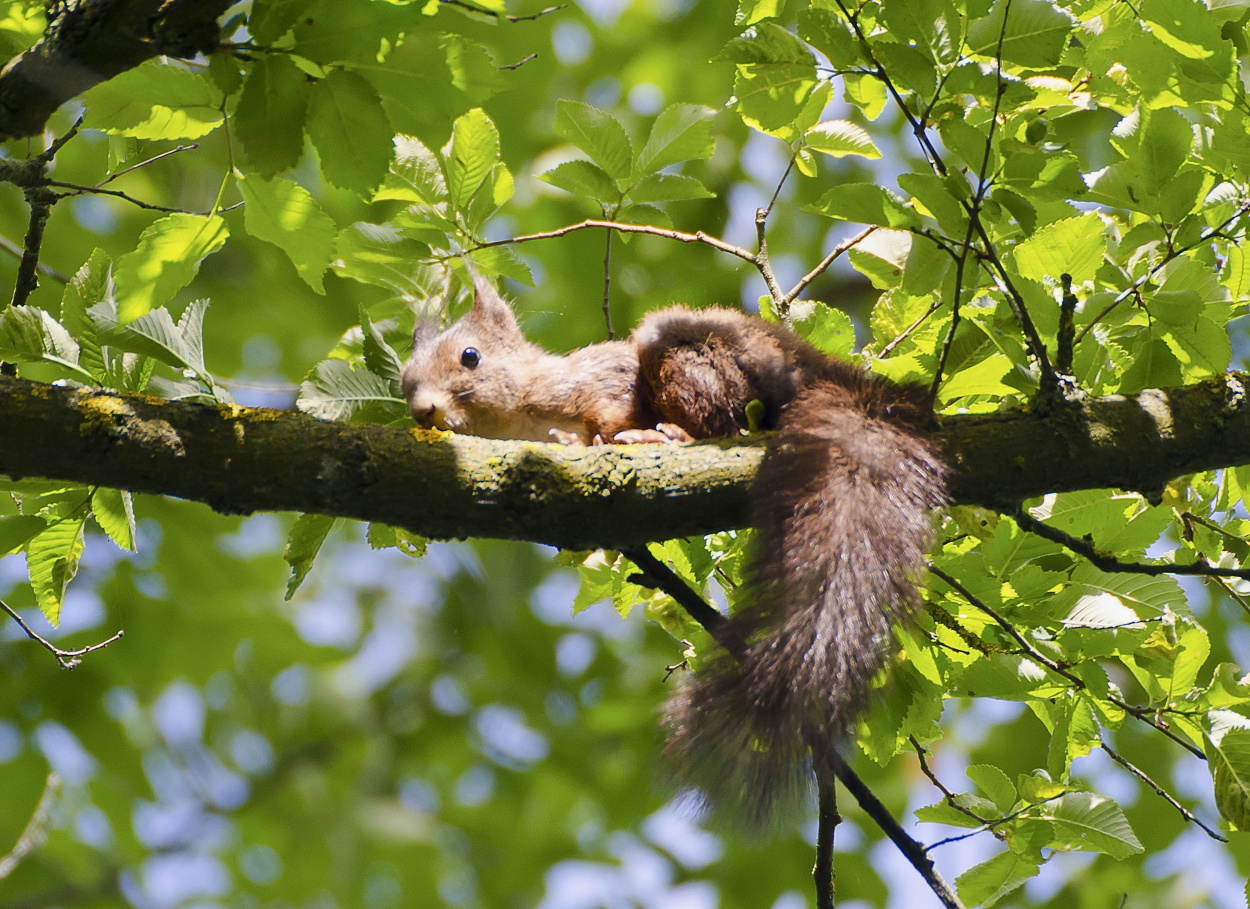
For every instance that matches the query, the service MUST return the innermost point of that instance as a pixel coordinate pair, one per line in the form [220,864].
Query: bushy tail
[842,504]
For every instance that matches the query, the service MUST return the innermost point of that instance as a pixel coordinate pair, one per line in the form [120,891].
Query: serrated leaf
[155,335]
[52,560]
[771,98]
[166,260]
[583,178]
[682,132]
[866,203]
[380,357]
[91,284]
[1030,32]
[415,175]
[470,155]
[1073,246]
[829,329]
[380,254]
[271,113]
[155,100]
[994,783]
[351,132]
[285,214]
[839,138]
[303,543]
[1090,822]
[113,510]
[669,188]
[15,530]
[598,134]
[985,884]
[335,390]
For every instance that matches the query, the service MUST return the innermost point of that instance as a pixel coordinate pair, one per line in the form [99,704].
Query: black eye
[470,358]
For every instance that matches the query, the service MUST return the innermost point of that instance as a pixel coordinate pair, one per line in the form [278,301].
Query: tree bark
[242,460]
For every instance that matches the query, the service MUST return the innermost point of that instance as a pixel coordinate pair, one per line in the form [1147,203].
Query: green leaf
[15,530]
[350,131]
[669,188]
[752,11]
[1165,144]
[682,132]
[155,100]
[583,178]
[91,284]
[985,884]
[114,511]
[382,255]
[269,119]
[994,783]
[415,176]
[598,134]
[52,558]
[771,98]
[1090,822]
[154,334]
[767,43]
[380,357]
[336,390]
[1034,34]
[829,329]
[302,545]
[866,203]
[470,155]
[840,138]
[1073,246]
[383,536]
[166,259]
[285,214]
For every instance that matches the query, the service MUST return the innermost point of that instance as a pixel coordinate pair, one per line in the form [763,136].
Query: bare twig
[16,252]
[947,794]
[41,202]
[1160,791]
[607,286]
[827,824]
[623,227]
[1144,714]
[524,60]
[36,830]
[1086,549]
[68,659]
[145,162]
[78,190]
[990,825]
[823,265]
[494,15]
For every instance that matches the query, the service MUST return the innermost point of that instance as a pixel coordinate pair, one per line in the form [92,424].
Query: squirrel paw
[663,432]
[560,437]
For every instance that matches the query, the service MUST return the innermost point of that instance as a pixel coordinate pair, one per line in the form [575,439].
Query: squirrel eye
[470,358]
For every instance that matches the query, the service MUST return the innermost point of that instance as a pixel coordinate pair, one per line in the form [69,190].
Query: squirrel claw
[562,437]
[663,432]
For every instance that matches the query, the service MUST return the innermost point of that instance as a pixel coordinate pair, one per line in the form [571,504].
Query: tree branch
[241,460]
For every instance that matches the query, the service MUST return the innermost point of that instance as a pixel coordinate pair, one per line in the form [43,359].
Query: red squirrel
[841,505]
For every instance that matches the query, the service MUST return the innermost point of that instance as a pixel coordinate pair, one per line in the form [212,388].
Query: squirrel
[841,505]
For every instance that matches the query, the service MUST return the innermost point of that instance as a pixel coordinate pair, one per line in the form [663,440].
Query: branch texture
[241,460]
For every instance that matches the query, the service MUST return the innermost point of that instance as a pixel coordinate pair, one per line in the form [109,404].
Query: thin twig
[1086,549]
[607,287]
[1160,791]
[781,303]
[1140,713]
[990,825]
[947,794]
[77,189]
[144,163]
[36,831]
[915,853]
[16,252]
[505,17]
[828,260]
[41,202]
[68,659]
[524,60]
[600,223]
[827,825]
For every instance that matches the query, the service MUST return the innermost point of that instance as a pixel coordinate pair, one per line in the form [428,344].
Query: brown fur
[841,504]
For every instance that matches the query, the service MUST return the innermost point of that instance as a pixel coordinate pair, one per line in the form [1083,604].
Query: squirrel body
[841,506]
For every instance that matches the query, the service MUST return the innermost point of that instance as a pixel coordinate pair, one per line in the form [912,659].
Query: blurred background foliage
[444,731]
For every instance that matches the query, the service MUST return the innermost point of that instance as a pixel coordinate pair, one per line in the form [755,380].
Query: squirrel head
[469,377]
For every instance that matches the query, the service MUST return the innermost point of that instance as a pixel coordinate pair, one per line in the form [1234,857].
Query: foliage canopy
[1018,203]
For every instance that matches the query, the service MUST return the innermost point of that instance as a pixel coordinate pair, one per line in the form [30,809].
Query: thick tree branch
[91,41]
[241,460]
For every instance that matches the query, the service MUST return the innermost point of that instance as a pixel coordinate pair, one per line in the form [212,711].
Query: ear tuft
[488,305]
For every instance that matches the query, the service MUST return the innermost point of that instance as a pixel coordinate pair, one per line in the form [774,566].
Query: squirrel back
[841,504]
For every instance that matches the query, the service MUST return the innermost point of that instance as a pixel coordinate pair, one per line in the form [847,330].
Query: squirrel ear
[488,305]
[425,331]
